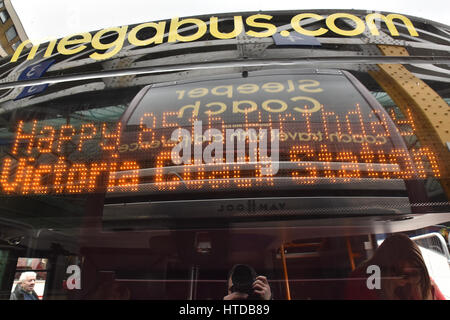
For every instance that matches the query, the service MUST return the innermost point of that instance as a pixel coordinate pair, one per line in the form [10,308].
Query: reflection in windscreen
[304,137]
[298,175]
[324,126]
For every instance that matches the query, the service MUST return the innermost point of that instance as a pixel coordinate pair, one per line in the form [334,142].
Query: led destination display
[224,133]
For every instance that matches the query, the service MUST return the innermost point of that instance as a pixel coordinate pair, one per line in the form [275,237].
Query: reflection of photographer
[244,284]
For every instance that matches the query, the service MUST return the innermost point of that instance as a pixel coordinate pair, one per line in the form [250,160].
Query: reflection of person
[404,275]
[24,290]
[244,284]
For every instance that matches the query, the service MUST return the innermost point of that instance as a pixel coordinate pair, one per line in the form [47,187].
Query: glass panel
[11,33]
[4,15]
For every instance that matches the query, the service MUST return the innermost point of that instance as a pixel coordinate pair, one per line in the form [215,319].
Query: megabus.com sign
[78,42]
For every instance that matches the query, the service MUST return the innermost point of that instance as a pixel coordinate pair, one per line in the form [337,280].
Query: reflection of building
[11,29]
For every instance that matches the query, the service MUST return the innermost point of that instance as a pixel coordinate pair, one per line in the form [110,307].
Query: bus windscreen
[259,144]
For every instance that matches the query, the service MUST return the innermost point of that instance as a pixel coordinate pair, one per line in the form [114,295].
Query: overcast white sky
[57,18]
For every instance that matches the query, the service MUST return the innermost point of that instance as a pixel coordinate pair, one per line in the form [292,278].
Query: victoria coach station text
[24,173]
[171,32]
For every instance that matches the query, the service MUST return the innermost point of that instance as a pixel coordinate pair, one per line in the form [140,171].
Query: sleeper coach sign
[257,26]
